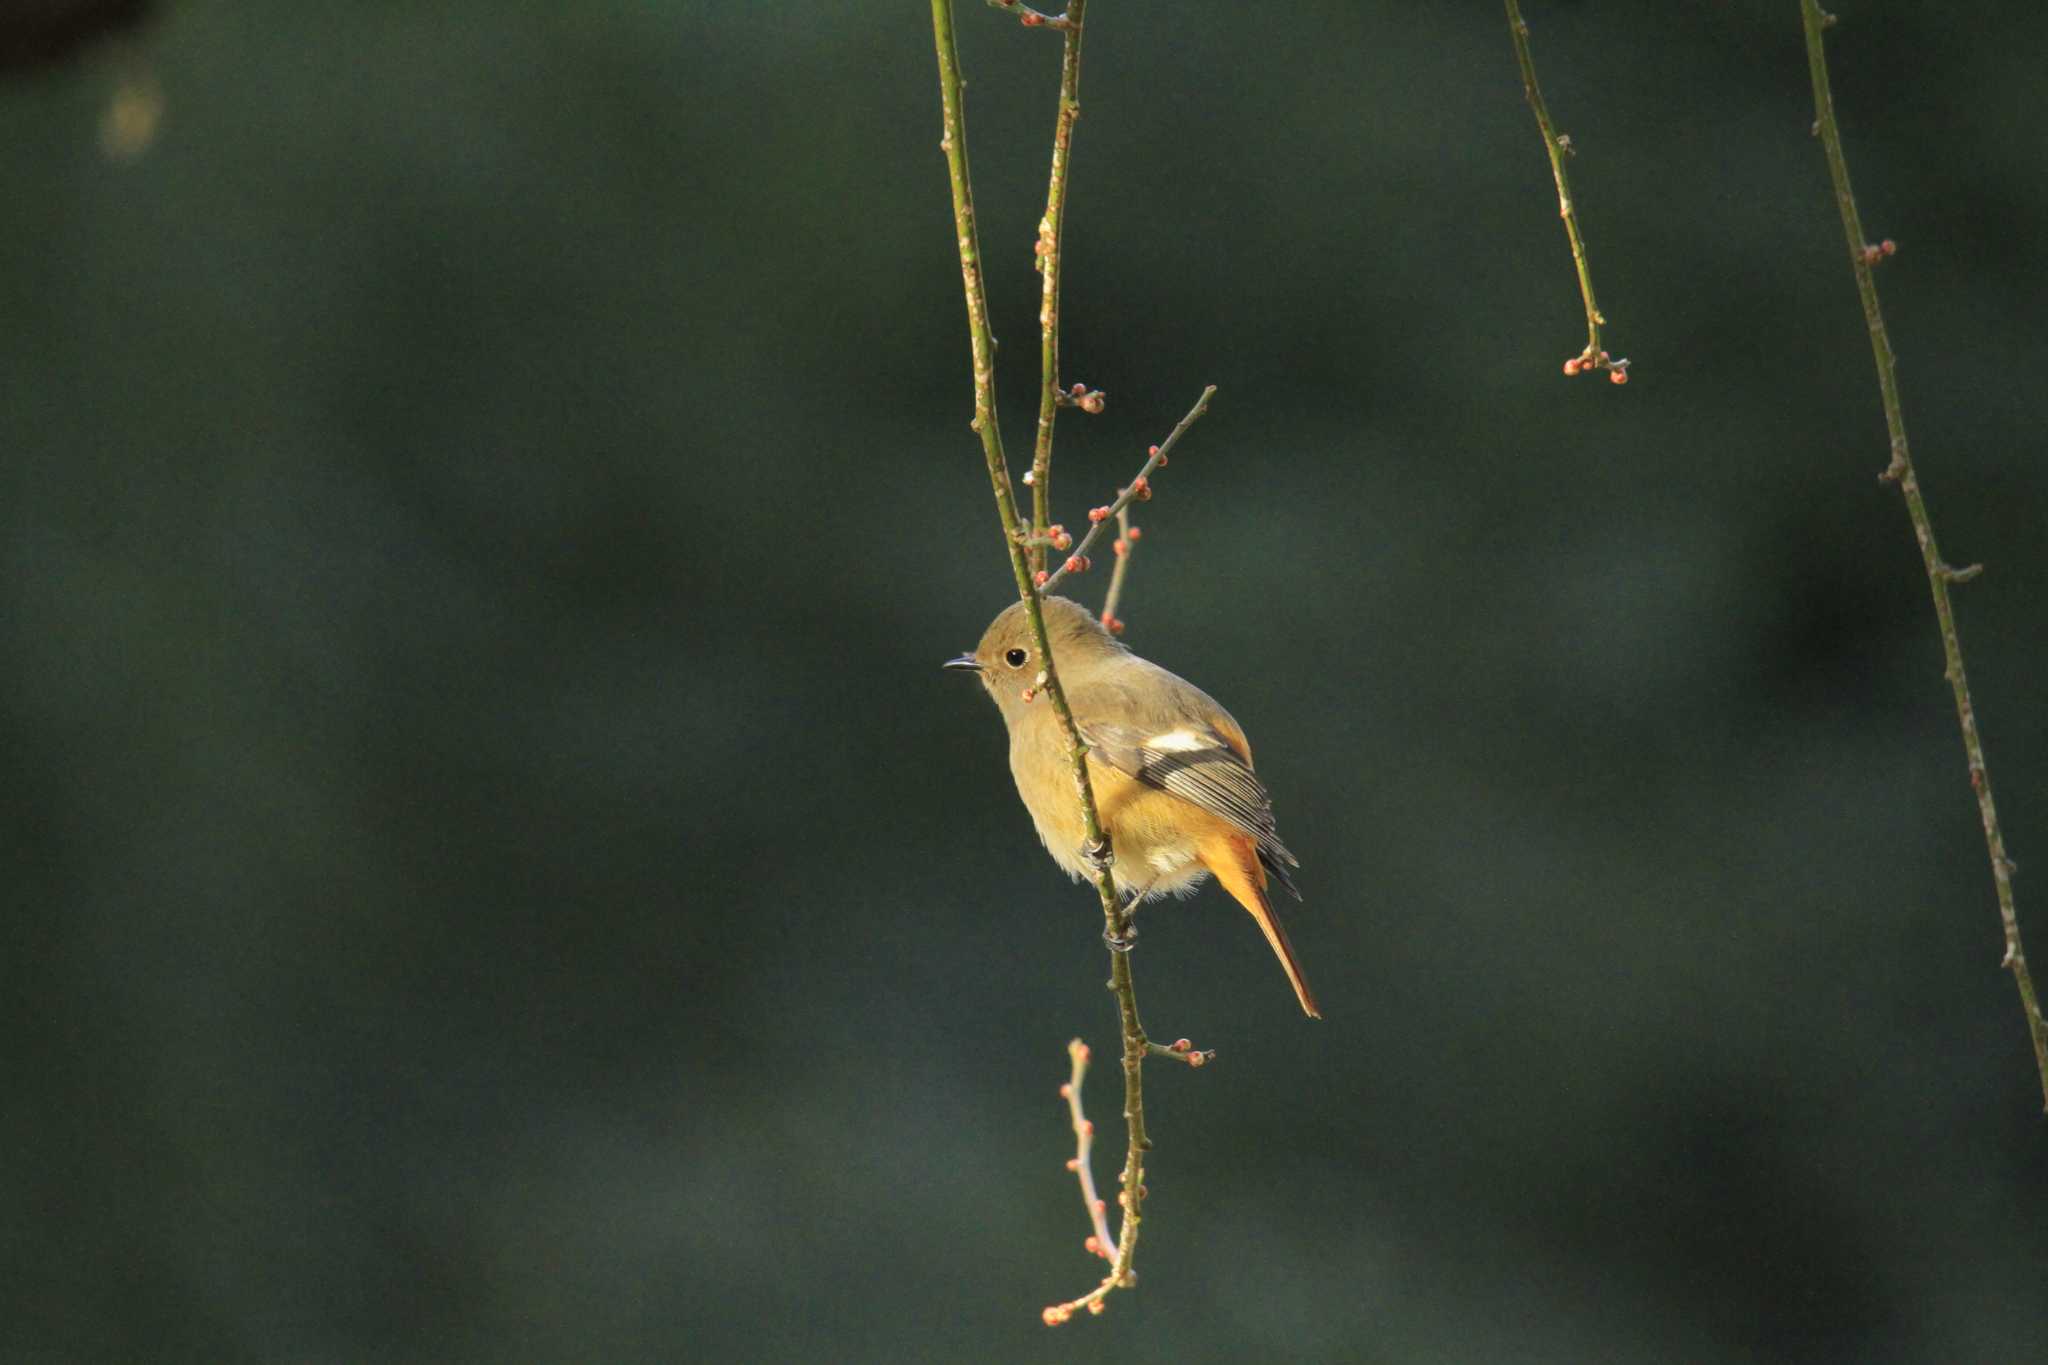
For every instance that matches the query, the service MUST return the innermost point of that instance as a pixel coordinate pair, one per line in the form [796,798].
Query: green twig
[1862,257]
[1125,546]
[1051,235]
[1557,147]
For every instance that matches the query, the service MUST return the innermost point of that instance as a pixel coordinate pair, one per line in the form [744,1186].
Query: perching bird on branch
[1171,771]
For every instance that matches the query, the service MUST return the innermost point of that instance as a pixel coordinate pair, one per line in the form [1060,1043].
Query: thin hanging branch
[1051,237]
[1557,147]
[1863,257]
[1020,541]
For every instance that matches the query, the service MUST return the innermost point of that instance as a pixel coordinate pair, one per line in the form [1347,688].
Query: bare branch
[1124,546]
[1138,488]
[1100,1243]
[1557,147]
[1862,257]
[1049,249]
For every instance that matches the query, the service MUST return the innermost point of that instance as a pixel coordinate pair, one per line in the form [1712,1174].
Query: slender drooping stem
[1557,148]
[1125,546]
[1051,237]
[1940,576]
[1115,917]
[1102,1243]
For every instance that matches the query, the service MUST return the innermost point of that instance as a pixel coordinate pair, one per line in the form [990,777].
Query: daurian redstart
[1172,773]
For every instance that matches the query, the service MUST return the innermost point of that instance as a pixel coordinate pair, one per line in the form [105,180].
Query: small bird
[1171,771]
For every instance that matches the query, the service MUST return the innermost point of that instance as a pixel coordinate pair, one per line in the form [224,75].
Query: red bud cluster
[1585,361]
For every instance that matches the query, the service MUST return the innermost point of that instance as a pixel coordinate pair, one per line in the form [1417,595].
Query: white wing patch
[1181,742]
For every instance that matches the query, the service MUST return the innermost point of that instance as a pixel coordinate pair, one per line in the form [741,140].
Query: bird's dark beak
[965,661]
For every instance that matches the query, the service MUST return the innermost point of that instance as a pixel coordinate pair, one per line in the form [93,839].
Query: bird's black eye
[1015,658]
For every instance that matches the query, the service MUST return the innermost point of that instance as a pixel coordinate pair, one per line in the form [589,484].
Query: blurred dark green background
[495,872]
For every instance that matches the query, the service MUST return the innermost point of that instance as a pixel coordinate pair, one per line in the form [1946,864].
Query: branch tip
[1181,1050]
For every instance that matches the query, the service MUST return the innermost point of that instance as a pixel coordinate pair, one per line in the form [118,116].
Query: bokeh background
[494,871]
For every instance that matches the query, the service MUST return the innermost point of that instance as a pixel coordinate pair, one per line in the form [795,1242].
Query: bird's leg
[1124,942]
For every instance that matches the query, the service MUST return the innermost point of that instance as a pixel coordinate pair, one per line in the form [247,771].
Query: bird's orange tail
[1234,859]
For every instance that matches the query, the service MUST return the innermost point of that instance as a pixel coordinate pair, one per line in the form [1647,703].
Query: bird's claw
[1099,855]
[1121,943]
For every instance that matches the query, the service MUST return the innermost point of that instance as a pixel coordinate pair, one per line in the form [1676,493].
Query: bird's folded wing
[1201,767]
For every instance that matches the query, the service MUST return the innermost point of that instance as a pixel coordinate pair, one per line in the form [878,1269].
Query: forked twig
[1138,488]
